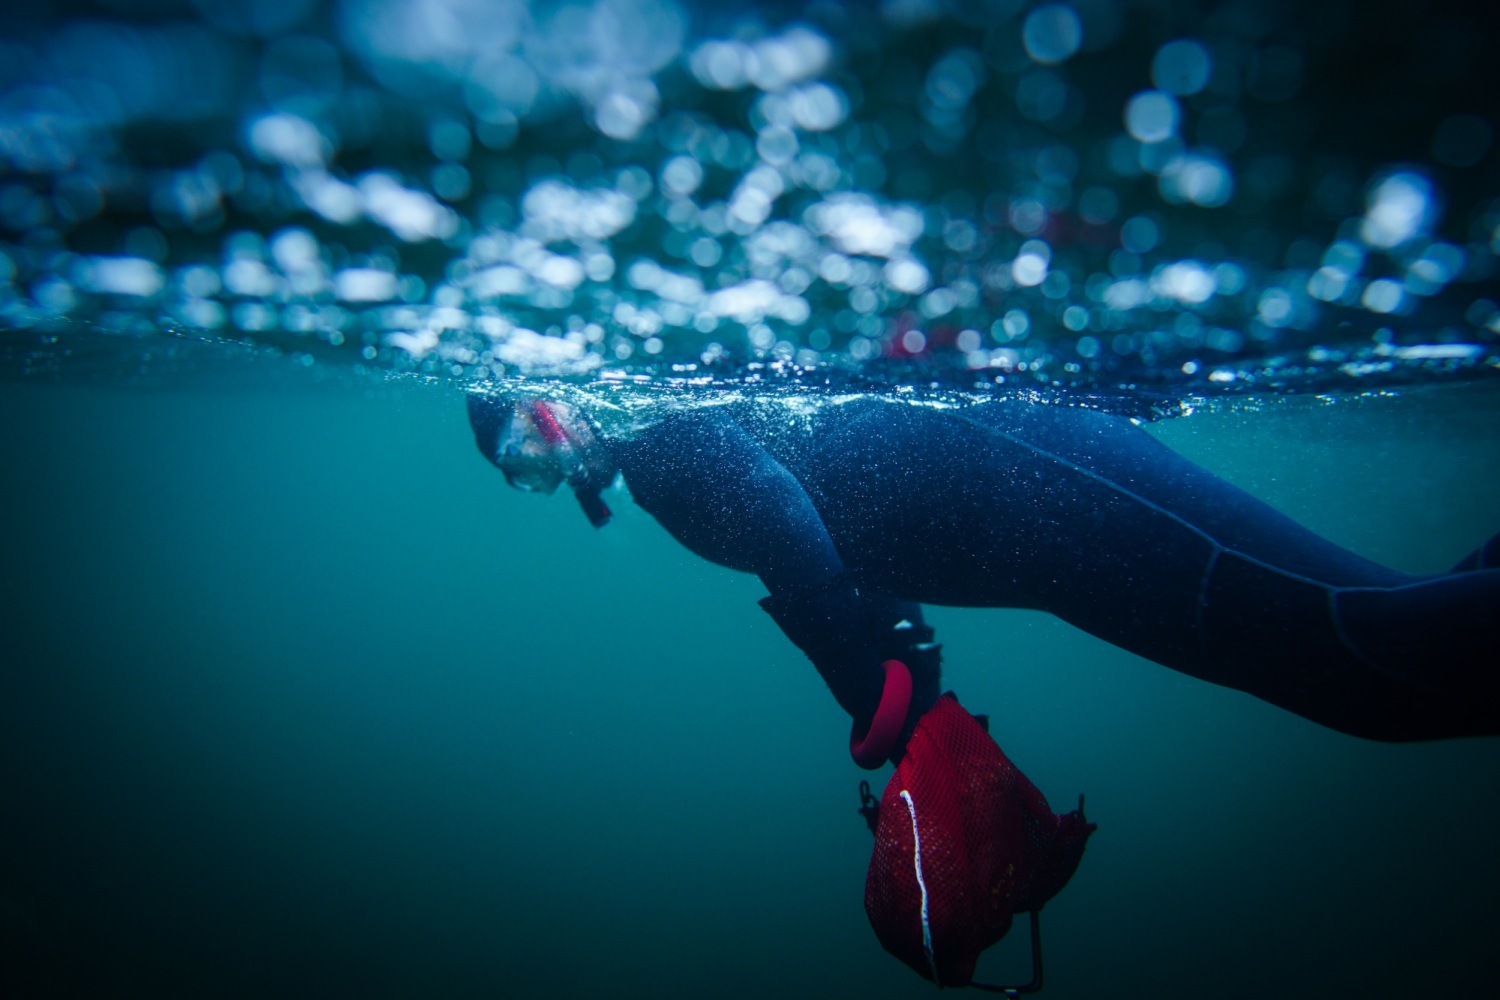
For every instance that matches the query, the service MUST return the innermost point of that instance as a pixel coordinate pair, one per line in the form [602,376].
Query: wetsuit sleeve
[720,493]
[723,496]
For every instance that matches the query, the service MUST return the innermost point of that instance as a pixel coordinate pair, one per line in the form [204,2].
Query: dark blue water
[297,699]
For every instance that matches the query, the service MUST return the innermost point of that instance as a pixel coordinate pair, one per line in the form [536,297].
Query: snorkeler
[856,512]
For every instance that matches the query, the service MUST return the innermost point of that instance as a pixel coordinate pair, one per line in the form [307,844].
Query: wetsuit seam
[1398,586]
[1338,628]
[1098,478]
[1178,518]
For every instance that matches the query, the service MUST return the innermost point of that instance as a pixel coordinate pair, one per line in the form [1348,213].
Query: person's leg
[1139,546]
[1411,661]
[1131,461]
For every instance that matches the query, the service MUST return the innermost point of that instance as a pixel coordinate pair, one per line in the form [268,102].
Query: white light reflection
[412,215]
[1383,296]
[1030,266]
[754,300]
[770,64]
[1151,116]
[817,107]
[328,196]
[1275,307]
[1398,208]
[556,210]
[1345,257]
[1186,281]
[1328,284]
[859,225]
[1439,264]
[626,109]
[1197,178]
[289,139]
[907,275]
[249,277]
[134,276]
[364,284]
[680,176]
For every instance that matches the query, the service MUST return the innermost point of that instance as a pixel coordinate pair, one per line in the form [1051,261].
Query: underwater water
[298,699]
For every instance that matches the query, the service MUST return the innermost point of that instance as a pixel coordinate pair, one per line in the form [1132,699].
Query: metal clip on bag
[963,842]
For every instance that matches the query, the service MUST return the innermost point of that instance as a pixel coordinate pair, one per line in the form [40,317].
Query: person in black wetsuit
[855,513]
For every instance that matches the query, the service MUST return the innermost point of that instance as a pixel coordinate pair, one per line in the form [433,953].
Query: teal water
[299,700]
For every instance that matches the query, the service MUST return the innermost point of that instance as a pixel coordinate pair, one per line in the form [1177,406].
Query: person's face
[528,459]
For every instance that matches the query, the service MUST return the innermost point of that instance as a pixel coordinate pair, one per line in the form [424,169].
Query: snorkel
[540,444]
[569,449]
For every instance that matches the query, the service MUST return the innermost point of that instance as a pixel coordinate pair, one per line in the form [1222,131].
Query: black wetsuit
[854,512]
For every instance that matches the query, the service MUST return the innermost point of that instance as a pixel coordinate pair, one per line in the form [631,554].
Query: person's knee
[1440,635]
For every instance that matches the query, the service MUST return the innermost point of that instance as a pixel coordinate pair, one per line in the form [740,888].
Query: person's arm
[720,493]
[723,496]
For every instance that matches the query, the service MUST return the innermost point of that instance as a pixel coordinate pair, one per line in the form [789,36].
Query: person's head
[523,438]
[539,443]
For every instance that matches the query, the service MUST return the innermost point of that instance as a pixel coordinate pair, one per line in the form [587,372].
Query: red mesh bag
[963,842]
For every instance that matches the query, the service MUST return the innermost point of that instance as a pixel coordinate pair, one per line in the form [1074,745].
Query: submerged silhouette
[855,513]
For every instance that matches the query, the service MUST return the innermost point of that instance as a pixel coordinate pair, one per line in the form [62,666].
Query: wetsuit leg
[1289,616]
[1131,462]
[1293,618]
[1088,517]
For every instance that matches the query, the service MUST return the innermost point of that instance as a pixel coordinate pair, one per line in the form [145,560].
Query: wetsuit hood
[582,457]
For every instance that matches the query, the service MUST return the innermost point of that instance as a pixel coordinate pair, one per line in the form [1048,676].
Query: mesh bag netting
[964,841]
